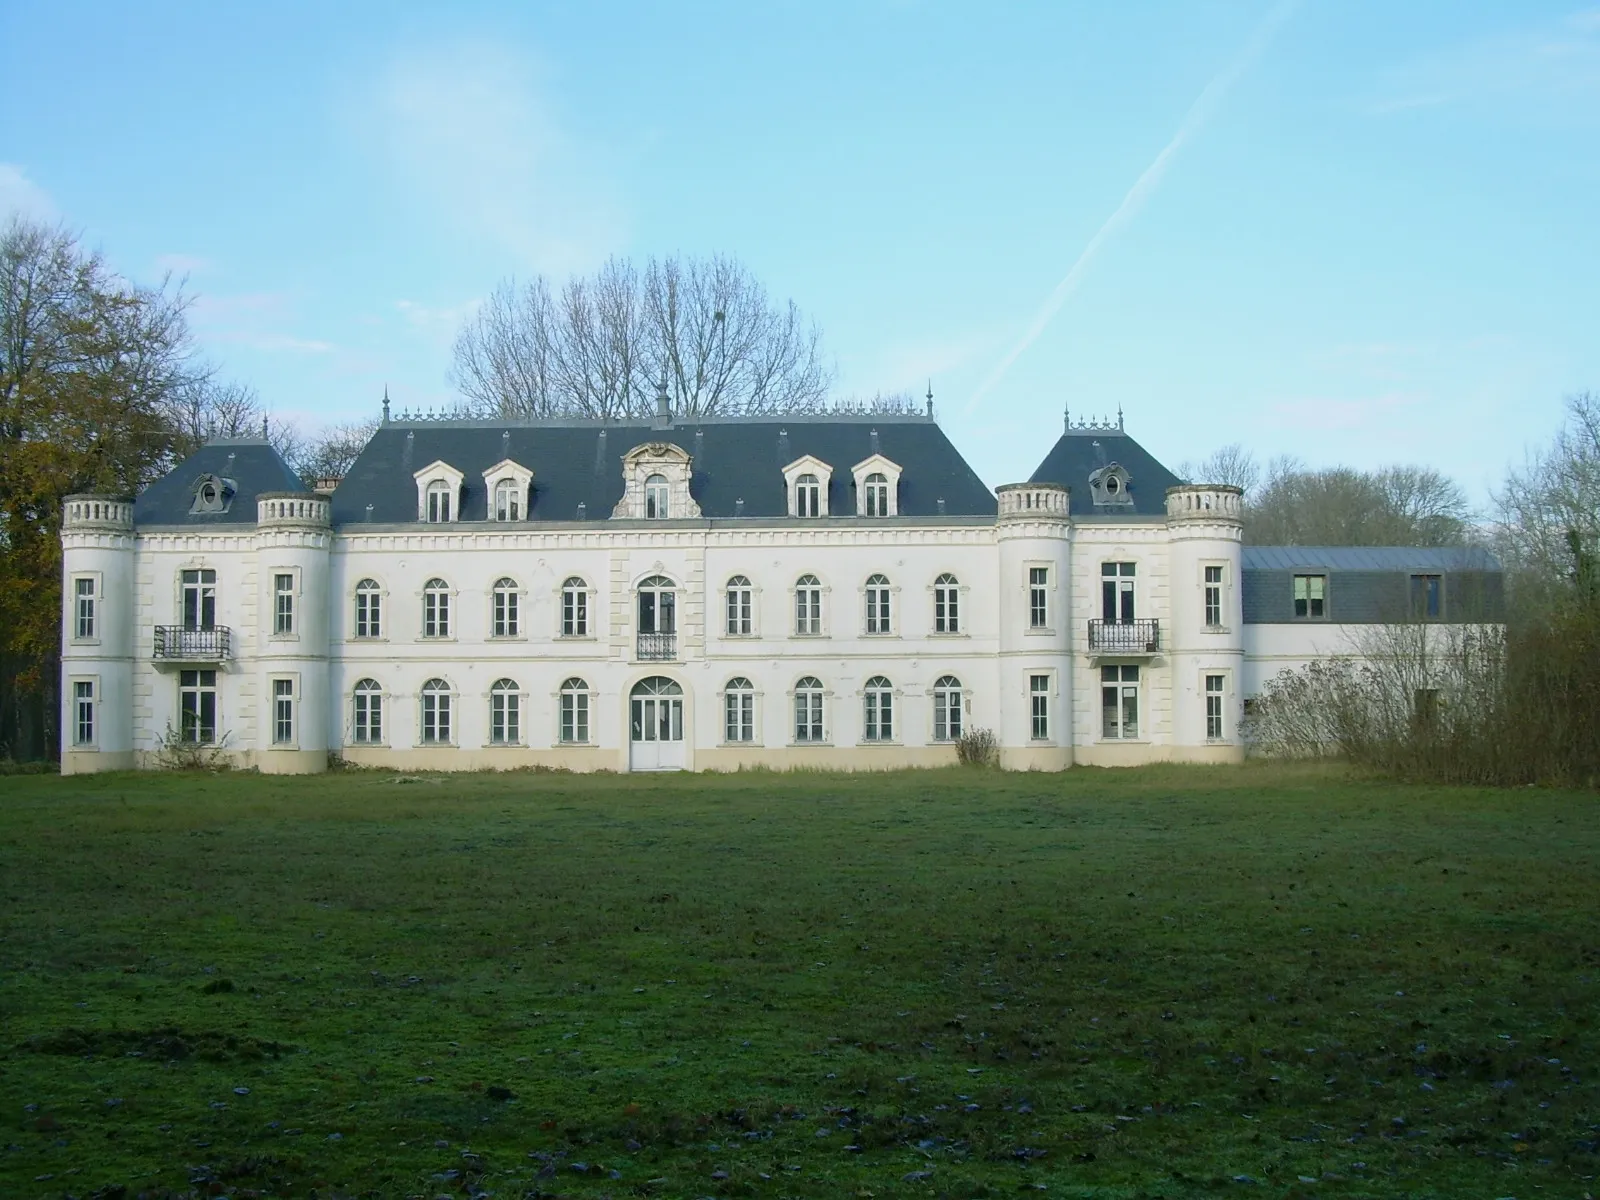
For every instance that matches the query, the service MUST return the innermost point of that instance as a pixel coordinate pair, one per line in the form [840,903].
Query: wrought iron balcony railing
[658,647]
[174,643]
[1124,637]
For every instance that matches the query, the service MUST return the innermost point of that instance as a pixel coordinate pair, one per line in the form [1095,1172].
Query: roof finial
[1066,417]
[264,427]
[1119,416]
[386,404]
[930,396]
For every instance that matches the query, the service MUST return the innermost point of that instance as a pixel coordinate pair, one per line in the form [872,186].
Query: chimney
[738,507]
[783,447]
[600,454]
[663,406]
[873,438]
[583,509]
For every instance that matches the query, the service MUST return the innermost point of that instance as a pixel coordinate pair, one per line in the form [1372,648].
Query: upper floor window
[739,711]
[740,606]
[574,711]
[1038,597]
[658,605]
[508,500]
[369,609]
[878,605]
[947,702]
[436,712]
[283,604]
[83,608]
[505,713]
[946,604]
[199,599]
[879,714]
[505,619]
[1116,592]
[807,496]
[1310,595]
[436,609]
[657,493]
[876,495]
[574,608]
[436,505]
[1214,597]
[1427,597]
[808,710]
[808,606]
[366,713]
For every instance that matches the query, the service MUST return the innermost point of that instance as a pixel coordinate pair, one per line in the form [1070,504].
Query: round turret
[1035,600]
[293,541]
[97,620]
[1205,527]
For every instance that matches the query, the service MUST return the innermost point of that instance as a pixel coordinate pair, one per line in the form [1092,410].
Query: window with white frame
[436,609]
[808,606]
[808,710]
[366,713]
[83,608]
[878,717]
[1310,596]
[876,495]
[83,712]
[197,707]
[437,502]
[505,713]
[657,498]
[658,606]
[739,711]
[878,605]
[1214,597]
[1039,695]
[574,607]
[740,607]
[283,604]
[1038,597]
[1214,698]
[1116,592]
[199,601]
[508,500]
[574,711]
[946,604]
[1119,702]
[808,496]
[436,706]
[505,619]
[369,609]
[947,709]
[283,712]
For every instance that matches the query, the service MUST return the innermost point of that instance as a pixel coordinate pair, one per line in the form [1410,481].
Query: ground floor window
[282,712]
[739,711]
[505,713]
[197,707]
[367,713]
[1119,702]
[436,712]
[947,709]
[879,724]
[83,713]
[1214,689]
[808,710]
[1039,692]
[575,711]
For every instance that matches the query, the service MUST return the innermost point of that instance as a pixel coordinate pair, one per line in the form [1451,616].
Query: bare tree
[1549,509]
[1340,506]
[703,331]
[1232,464]
[333,450]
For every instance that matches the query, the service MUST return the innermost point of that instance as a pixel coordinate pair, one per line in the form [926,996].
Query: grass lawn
[1257,981]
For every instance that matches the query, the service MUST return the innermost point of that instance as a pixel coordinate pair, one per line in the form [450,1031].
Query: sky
[1353,231]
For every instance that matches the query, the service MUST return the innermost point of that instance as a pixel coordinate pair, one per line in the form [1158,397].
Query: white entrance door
[656,722]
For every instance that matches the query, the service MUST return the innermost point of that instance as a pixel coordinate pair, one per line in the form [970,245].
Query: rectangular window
[1214,597]
[282,604]
[574,716]
[197,707]
[740,716]
[368,714]
[282,712]
[575,611]
[878,608]
[880,715]
[505,717]
[1310,596]
[1038,597]
[369,621]
[83,713]
[435,716]
[1039,691]
[808,716]
[1427,597]
[199,599]
[739,610]
[1116,592]
[1214,728]
[1119,702]
[808,609]
[83,613]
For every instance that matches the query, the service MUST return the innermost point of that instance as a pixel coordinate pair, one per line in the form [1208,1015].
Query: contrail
[1199,113]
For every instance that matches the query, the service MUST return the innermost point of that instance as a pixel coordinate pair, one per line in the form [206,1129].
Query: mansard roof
[734,459]
[1082,450]
[1369,558]
[248,465]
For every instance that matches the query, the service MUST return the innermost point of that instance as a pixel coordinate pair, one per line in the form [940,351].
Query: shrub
[978,748]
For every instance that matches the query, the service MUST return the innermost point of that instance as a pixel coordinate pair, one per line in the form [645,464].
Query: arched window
[436,712]
[436,609]
[739,710]
[574,607]
[807,606]
[507,501]
[740,607]
[658,619]
[369,609]
[808,710]
[807,496]
[946,604]
[505,620]
[574,711]
[879,700]
[877,497]
[366,713]
[878,605]
[437,507]
[947,704]
[505,713]
[656,502]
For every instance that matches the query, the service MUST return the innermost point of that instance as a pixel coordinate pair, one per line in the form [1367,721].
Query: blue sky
[1358,231]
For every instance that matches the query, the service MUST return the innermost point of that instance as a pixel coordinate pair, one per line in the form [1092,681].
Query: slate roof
[577,462]
[252,465]
[1369,558]
[1080,452]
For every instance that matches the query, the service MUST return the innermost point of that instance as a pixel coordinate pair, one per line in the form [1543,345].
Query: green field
[1164,982]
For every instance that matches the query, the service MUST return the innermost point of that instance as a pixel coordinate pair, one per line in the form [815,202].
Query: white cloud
[21,196]
[468,128]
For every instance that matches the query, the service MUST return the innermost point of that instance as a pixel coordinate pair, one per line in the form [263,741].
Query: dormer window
[212,494]
[507,484]
[507,504]
[807,482]
[877,495]
[437,506]
[1108,487]
[656,478]
[877,482]
[807,496]
[438,493]
[657,498]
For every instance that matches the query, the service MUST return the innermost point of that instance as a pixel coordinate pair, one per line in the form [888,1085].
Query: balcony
[1124,637]
[176,644]
[658,647]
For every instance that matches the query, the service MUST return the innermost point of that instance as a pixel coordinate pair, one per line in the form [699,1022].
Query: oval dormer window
[208,493]
[1113,484]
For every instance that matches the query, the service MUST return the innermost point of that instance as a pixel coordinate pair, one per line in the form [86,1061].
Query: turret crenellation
[293,510]
[1034,501]
[1205,502]
[100,513]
